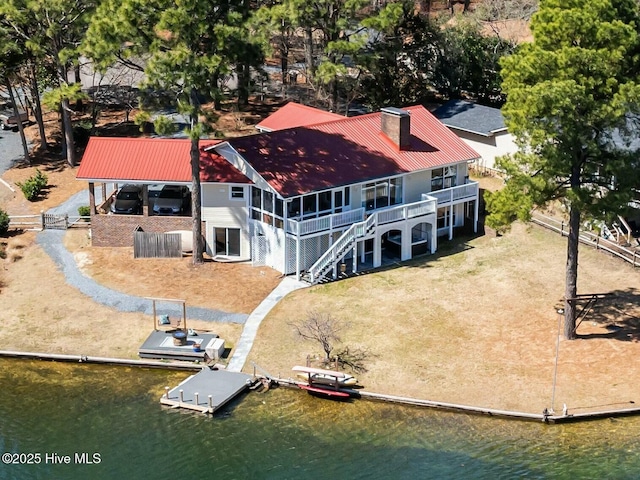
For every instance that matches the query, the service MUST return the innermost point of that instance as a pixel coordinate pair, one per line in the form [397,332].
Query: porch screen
[382,193]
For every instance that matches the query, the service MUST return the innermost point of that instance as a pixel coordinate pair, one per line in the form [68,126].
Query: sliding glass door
[227,241]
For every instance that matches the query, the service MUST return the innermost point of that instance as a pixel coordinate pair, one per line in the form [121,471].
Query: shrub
[33,185]
[84,211]
[4,223]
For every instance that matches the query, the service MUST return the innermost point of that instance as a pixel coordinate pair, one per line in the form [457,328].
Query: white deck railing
[388,215]
[359,230]
[455,194]
[426,206]
[328,222]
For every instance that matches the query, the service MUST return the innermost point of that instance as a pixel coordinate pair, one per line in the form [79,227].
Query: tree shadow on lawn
[50,160]
[618,313]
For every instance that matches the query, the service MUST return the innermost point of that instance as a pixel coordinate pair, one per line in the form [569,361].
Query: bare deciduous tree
[325,329]
[322,328]
[496,10]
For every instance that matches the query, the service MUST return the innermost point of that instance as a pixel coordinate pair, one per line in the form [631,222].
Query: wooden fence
[627,254]
[44,221]
[154,245]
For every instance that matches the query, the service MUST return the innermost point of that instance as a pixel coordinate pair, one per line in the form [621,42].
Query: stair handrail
[329,257]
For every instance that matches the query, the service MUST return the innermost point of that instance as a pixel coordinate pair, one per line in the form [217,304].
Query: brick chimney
[396,124]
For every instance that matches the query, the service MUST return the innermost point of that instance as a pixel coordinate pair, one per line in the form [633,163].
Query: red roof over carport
[153,160]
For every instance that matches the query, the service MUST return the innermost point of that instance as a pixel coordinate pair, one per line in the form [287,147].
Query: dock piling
[166,392]
[198,391]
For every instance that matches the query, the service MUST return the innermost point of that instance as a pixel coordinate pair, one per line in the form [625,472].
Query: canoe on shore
[325,377]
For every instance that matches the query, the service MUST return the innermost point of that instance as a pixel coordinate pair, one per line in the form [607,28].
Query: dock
[208,390]
[160,345]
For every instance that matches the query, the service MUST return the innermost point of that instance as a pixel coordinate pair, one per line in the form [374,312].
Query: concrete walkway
[288,284]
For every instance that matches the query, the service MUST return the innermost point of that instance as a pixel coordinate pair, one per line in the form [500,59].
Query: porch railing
[410,210]
[322,224]
[359,230]
[393,214]
[455,194]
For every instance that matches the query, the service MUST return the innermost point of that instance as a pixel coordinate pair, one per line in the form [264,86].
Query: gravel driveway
[10,149]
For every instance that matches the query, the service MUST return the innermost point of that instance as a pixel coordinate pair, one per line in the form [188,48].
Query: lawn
[477,324]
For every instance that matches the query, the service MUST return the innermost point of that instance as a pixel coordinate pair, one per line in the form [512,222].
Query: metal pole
[555,368]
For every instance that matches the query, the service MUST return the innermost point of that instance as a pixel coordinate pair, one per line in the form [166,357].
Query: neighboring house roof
[295,115]
[346,151]
[152,160]
[471,117]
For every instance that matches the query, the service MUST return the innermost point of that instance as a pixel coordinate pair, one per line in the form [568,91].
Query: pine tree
[51,31]
[186,46]
[572,104]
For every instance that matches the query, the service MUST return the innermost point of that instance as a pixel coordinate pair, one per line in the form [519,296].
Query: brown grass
[36,300]
[473,324]
[477,324]
[231,287]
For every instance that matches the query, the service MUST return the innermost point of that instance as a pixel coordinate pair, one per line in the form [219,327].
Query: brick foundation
[117,230]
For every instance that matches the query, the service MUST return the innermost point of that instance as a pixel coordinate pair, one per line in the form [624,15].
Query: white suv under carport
[172,200]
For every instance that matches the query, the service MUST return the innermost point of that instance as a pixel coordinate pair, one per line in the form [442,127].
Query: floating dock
[207,390]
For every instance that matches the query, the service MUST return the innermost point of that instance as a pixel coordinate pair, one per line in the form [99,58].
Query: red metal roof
[152,160]
[296,115]
[346,151]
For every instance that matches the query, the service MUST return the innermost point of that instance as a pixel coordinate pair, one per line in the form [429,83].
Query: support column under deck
[451,222]
[298,257]
[475,214]
[377,251]
[406,240]
[434,236]
[355,257]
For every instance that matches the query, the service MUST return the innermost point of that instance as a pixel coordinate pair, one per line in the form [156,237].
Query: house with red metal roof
[313,200]
[295,115]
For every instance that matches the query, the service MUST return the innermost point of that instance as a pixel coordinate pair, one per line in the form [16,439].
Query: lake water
[61,410]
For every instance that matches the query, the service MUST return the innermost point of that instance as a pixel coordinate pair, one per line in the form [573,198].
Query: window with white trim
[443,177]
[237,193]
[382,193]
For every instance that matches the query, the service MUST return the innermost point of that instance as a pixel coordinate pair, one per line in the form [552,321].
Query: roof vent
[396,124]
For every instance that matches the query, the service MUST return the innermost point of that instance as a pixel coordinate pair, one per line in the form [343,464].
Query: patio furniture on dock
[165,346]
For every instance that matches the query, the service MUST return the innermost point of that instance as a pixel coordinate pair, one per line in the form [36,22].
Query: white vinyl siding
[415,184]
[219,210]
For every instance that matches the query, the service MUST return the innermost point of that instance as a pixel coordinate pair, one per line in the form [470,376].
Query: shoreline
[545,417]
[474,323]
